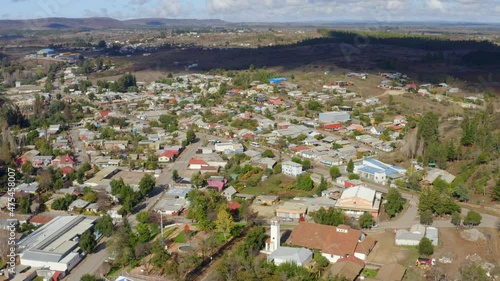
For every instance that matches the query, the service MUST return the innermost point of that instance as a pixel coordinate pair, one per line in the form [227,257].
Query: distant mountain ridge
[102,23]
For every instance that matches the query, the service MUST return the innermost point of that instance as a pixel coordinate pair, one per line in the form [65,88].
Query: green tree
[306,164]
[456,219]
[25,205]
[350,166]
[224,222]
[146,184]
[175,175]
[268,153]
[104,225]
[353,176]
[366,220]
[428,128]
[87,241]
[472,218]
[461,192]
[144,217]
[413,182]
[304,182]
[332,216]
[425,247]
[190,136]
[426,217]
[395,202]
[496,191]
[334,172]
[323,185]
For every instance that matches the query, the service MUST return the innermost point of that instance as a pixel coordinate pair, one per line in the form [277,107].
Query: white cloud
[435,4]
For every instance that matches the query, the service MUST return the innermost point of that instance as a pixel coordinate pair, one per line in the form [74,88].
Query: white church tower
[273,242]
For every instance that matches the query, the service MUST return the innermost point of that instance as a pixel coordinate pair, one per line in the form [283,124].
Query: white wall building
[291,168]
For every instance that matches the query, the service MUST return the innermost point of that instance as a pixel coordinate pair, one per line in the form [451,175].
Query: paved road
[90,264]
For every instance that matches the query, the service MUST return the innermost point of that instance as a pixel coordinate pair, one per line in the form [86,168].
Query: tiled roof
[196,161]
[340,241]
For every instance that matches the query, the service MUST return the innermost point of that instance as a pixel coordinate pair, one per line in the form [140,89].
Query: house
[412,237]
[294,209]
[333,242]
[355,201]
[278,254]
[197,164]
[229,147]
[267,199]
[41,161]
[349,268]
[435,173]
[399,119]
[92,207]
[377,130]
[333,127]
[334,116]
[266,163]
[377,171]
[229,193]
[217,182]
[298,256]
[64,161]
[291,168]
[27,156]
[40,220]
[168,156]
[171,206]
[78,205]
[31,188]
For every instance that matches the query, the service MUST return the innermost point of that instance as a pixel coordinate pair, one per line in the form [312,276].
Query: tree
[304,182]
[334,172]
[413,182]
[350,166]
[496,191]
[104,225]
[322,186]
[461,192]
[306,164]
[146,184]
[190,136]
[144,217]
[87,241]
[366,220]
[456,219]
[25,205]
[353,176]
[425,247]
[426,217]
[224,222]
[472,218]
[268,153]
[175,175]
[332,216]
[395,202]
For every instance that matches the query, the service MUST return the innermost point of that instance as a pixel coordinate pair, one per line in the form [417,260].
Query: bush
[472,218]
[425,247]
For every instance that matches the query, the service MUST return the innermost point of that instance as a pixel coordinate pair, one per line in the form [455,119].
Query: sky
[261,10]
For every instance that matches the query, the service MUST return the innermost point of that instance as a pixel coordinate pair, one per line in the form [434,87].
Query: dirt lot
[451,245]
[461,250]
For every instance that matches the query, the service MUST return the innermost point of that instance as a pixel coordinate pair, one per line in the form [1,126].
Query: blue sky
[260,10]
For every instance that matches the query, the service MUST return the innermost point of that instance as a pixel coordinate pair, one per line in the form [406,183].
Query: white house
[291,168]
[377,171]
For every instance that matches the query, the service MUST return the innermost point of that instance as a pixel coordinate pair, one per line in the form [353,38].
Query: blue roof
[277,80]
[370,170]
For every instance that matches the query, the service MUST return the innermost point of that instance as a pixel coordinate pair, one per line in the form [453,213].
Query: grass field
[281,185]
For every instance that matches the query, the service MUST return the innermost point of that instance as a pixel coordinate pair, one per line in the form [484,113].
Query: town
[250,174]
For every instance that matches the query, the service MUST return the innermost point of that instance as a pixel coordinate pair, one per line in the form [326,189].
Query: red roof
[169,154]
[56,275]
[354,260]
[335,126]
[234,206]
[299,148]
[105,113]
[66,170]
[196,161]
[40,219]
[66,159]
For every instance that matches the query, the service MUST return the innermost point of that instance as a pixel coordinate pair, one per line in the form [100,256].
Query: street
[90,264]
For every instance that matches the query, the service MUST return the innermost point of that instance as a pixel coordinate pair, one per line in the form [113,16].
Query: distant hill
[101,23]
